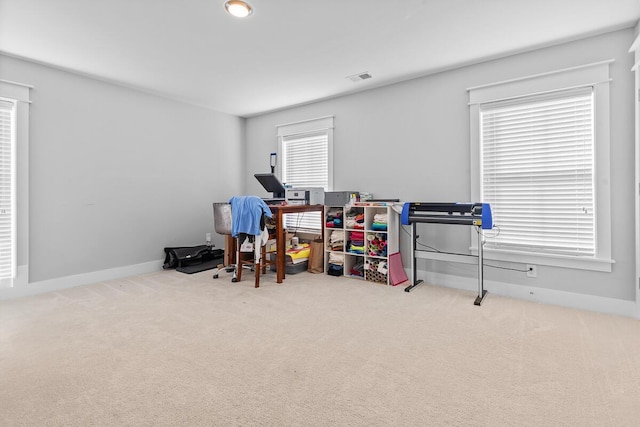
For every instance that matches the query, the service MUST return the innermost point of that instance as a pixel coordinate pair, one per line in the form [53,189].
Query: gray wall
[411,141]
[116,175]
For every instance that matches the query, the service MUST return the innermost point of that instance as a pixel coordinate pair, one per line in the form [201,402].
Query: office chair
[222,225]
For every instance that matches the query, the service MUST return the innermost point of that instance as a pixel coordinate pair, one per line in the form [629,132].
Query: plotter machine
[476,214]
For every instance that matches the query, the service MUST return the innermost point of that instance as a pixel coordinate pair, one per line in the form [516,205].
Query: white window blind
[537,166]
[306,164]
[7,189]
[306,161]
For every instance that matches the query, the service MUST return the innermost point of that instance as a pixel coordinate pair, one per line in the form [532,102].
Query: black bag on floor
[189,255]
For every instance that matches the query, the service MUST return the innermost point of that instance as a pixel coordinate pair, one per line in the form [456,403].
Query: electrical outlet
[208,237]
[532,270]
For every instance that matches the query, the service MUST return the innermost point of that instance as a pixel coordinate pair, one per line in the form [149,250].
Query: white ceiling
[287,52]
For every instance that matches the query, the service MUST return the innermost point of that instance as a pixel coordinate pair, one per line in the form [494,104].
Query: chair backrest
[222,218]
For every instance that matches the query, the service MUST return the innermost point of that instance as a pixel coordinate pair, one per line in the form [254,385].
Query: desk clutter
[357,240]
[296,258]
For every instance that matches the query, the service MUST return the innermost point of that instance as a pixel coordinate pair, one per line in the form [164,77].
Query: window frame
[20,94]
[10,146]
[595,75]
[306,127]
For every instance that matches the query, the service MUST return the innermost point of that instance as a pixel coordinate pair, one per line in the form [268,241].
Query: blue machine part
[487,218]
[433,212]
[405,213]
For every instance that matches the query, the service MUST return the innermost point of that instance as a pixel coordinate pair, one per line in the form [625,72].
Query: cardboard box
[271,245]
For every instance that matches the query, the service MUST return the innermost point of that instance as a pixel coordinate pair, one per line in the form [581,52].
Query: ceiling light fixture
[238,8]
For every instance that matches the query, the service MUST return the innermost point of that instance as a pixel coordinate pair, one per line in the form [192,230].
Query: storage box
[289,267]
[339,198]
[293,268]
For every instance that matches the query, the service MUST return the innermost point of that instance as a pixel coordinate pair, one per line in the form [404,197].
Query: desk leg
[481,291]
[414,276]
[280,248]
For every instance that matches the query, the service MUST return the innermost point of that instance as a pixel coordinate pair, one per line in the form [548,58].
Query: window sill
[563,261]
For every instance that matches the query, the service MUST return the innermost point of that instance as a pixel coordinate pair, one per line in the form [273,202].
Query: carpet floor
[172,349]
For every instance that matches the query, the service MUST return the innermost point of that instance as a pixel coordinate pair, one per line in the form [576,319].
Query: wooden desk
[281,238]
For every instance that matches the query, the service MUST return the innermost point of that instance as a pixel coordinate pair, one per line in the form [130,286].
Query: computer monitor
[272,184]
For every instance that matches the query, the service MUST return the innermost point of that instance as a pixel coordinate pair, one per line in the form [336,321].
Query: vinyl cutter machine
[476,214]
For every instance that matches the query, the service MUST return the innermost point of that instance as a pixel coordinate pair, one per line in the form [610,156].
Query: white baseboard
[546,296]
[22,290]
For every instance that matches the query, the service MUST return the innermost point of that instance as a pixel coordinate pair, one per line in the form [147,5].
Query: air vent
[359,77]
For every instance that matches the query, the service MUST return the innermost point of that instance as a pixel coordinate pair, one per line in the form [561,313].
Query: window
[7,189]
[306,150]
[537,168]
[14,180]
[541,161]
[306,159]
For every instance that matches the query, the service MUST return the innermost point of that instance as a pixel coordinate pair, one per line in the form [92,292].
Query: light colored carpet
[170,349]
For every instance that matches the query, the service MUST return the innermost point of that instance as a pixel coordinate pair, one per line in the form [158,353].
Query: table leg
[281,246]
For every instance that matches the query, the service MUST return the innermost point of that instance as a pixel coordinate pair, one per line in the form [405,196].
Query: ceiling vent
[359,77]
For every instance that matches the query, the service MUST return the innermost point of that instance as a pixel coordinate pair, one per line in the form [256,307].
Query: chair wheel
[215,276]
[234,280]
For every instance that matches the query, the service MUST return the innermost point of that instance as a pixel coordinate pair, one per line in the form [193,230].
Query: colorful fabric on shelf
[380,218]
[357,238]
[336,240]
[377,244]
[334,218]
[356,249]
[335,270]
[336,259]
[357,269]
[378,226]
[337,236]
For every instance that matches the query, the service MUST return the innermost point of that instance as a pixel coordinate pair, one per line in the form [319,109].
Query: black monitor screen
[271,183]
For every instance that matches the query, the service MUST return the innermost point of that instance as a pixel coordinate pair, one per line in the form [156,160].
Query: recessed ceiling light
[238,8]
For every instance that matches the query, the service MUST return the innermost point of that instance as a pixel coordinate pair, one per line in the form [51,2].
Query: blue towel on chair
[246,212]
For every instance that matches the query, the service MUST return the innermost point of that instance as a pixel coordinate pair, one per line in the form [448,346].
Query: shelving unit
[360,238]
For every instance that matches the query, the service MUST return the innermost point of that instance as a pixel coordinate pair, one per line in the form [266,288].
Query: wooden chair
[258,262]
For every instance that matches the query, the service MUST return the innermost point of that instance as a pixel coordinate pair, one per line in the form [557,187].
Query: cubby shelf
[359,239]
